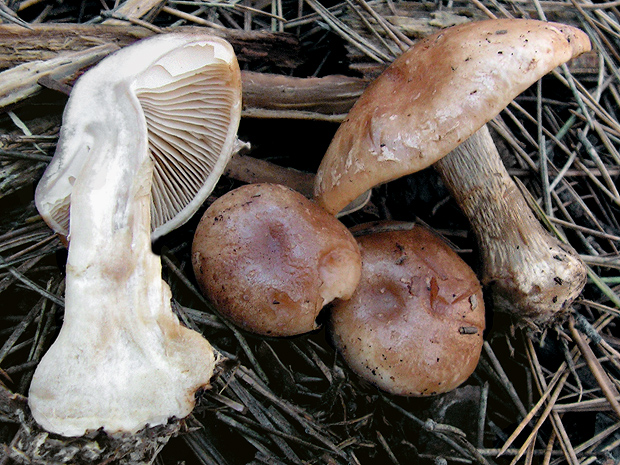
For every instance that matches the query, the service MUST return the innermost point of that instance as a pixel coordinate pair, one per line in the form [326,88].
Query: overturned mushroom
[145,136]
[414,325]
[270,259]
[430,100]
[188,91]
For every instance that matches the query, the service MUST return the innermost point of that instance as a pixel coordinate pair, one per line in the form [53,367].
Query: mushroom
[432,99]
[270,259]
[187,89]
[145,135]
[414,325]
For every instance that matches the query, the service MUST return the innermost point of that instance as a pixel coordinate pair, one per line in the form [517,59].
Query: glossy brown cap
[270,259]
[434,96]
[414,325]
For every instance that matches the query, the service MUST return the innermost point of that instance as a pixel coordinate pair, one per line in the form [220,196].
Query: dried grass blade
[558,427]
[240,421]
[33,286]
[590,405]
[22,268]
[20,329]
[504,378]
[370,27]
[190,17]
[348,34]
[565,443]
[591,232]
[256,409]
[549,448]
[598,438]
[604,288]
[399,38]
[137,9]
[240,338]
[553,389]
[9,15]
[543,417]
[289,409]
[609,390]
[482,413]
[611,190]
[206,452]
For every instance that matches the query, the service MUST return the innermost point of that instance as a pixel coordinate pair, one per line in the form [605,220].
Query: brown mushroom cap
[270,259]
[414,325]
[435,96]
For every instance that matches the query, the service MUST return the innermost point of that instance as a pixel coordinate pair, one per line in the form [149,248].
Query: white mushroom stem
[529,272]
[122,360]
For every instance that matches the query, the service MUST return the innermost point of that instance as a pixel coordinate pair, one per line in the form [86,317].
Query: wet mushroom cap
[414,325]
[436,95]
[270,259]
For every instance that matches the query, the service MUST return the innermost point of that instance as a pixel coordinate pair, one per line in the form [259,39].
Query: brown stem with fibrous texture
[528,272]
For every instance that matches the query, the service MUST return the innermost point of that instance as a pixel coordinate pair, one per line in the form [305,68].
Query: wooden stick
[44,41]
[253,170]
[609,390]
[270,95]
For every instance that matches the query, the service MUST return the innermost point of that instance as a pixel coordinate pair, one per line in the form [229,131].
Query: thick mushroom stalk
[122,360]
[145,136]
[529,272]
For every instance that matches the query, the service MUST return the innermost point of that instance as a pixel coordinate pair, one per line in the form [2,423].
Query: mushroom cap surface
[188,88]
[434,96]
[270,259]
[414,325]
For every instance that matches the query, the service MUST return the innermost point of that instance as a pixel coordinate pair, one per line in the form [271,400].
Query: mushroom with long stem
[145,136]
[433,98]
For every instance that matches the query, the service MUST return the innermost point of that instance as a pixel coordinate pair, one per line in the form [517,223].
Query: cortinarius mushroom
[414,325]
[187,92]
[431,99]
[145,136]
[270,259]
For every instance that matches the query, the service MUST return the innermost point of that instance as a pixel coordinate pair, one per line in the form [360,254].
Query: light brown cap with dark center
[270,259]
[414,325]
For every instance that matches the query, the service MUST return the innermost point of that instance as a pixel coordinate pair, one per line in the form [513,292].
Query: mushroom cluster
[429,107]
[145,135]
